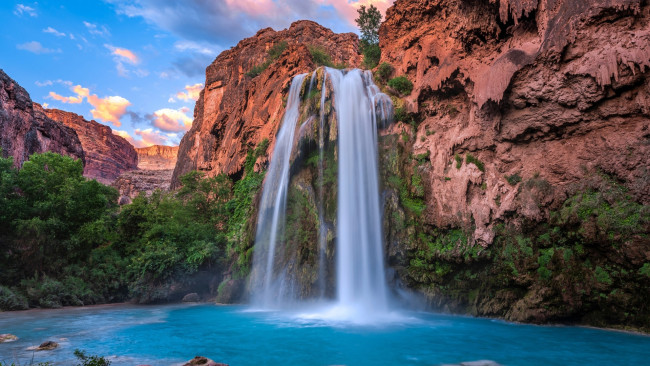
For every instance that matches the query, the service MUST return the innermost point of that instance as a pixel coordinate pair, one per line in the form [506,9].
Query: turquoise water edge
[238,335]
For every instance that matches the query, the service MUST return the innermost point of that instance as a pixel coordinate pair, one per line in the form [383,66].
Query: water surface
[166,335]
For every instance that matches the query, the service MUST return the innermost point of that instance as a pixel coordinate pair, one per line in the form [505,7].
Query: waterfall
[360,108]
[271,218]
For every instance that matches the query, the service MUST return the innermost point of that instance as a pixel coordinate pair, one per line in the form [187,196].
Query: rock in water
[47,346]
[191,297]
[203,361]
[7,338]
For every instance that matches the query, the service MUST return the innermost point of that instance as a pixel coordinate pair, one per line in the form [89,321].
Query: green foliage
[401,84]
[645,269]
[459,161]
[410,202]
[320,56]
[9,300]
[273,54]
[384,71]
[602,276]
[371,54]
[470,159]
[513,179]
[368,21]
[90,360]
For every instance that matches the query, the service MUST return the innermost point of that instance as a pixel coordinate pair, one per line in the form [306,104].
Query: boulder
[7,338]
[203,361]
[191,297]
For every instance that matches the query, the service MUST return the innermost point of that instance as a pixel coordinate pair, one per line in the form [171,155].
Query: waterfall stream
[360,287]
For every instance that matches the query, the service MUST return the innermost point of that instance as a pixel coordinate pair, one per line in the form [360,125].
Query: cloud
[192,93]
[150,137]
[43,83]
[107,109]
[45,105]
[225,22]
[53,31]
[192,66]
[36,47]
[21,9]
[123,54]
[172,120]
[197,47]
[97,30]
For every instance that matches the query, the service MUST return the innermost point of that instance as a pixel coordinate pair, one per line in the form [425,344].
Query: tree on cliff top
[368,21]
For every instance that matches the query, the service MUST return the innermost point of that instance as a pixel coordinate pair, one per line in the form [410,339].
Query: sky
[138,65]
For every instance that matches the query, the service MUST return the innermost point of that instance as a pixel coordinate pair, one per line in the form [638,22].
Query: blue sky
[138,65]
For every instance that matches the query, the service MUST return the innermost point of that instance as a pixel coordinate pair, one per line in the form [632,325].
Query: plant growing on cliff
[401,84]
[384,71]
[320,56]
[471,159]
[272,54]
[368,21]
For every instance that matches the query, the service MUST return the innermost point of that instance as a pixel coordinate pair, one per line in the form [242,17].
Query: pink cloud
[172,120]
[193,92]
[108,109]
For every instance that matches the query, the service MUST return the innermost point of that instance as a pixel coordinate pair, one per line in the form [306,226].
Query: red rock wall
[107,155]
[157,157]
[25,129]
[551,88]
[235,111]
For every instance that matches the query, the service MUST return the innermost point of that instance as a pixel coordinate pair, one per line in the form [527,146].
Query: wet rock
[203,361]
[7,338]
[47,346]
[192,297]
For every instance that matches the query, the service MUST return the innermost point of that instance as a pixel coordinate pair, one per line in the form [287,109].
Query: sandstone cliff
[157,157]
[525,139]
[107,155]
[25,129]
[544,88]
[238,109]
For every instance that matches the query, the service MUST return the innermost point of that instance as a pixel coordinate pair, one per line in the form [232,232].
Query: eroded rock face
[25,129]
[157,157]
[549,89]
[235,111]
[107,155]
[133,182]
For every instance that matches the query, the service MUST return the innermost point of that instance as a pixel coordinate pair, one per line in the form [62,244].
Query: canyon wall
[238,108]
[157,157]
[107,155]
[25,129]
[520,157]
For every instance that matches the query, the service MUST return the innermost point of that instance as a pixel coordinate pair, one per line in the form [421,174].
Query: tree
[368,21]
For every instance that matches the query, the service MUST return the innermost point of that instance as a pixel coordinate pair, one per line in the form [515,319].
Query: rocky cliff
[157,157]
[107,155]
[25,129]
[523,181]
[245,91]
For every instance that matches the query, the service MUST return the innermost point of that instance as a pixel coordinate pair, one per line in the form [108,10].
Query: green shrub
[401,84]
[470,159]
[277,50]
[645,270]
[273,54]
[371,55]
[513,179]
[384,71]
[602,276]
[90,360]
[10,300]
[459,161]
[320,56]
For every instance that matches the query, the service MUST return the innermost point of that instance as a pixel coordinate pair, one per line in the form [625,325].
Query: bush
[471,159]
[90,360]
[371,55]
[513,179]
[401,84]
[384,71]
[9,300]
[320,56]
[273,54]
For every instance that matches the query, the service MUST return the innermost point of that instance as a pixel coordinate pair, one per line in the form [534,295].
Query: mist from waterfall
[361,289]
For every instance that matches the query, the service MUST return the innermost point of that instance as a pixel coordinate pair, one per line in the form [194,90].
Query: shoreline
[136,305]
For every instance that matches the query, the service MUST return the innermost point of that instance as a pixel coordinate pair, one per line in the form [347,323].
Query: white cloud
[21,9]
[53,31]
[43,83]
[97,30]
[201,48]
[108,109]
[193,92]
[172,120]
[36,47]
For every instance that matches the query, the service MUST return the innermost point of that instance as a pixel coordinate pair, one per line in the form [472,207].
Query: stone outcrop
[237,110]
[157,157]
[203,361]
[107,155]
[521,153]
[530,88]
[25,129]
[130,184]
[7,338]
